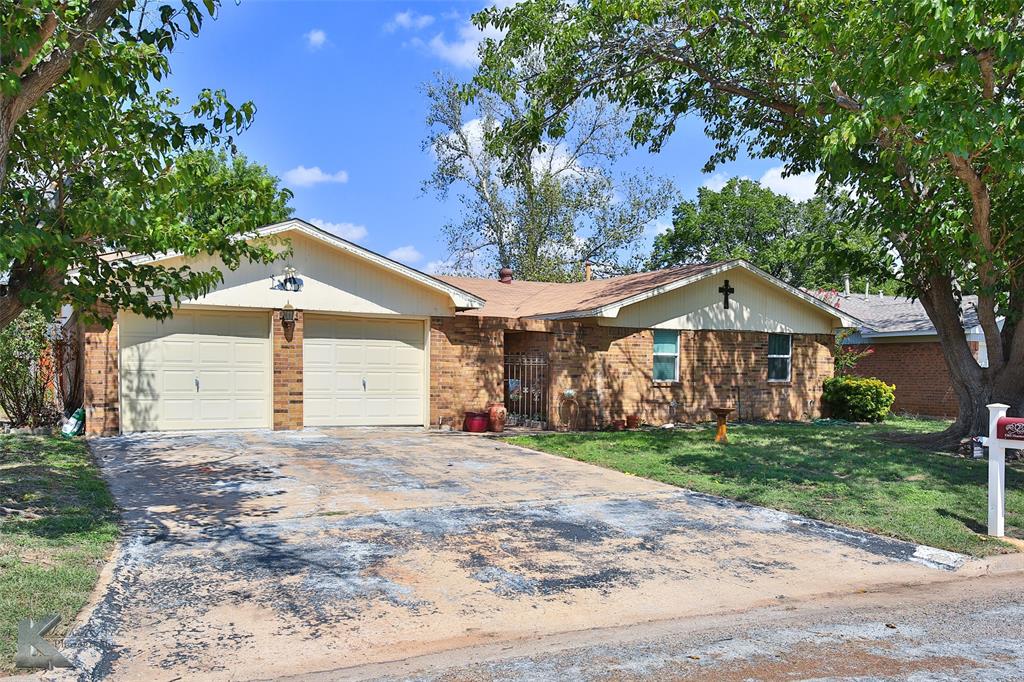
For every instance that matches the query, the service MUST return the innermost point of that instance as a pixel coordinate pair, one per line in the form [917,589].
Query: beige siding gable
[756,305]
[333,281]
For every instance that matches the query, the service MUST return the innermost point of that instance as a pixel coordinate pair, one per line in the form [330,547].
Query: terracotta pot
[619,424]
[475,422]
[633,421]
[496,415]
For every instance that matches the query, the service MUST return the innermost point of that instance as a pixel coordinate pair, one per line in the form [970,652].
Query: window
[666,355]
[780,356]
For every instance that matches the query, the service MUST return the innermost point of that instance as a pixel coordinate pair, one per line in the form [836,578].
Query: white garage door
[198,370]
[362,371]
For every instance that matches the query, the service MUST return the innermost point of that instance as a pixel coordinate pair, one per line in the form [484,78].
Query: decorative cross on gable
[725,290]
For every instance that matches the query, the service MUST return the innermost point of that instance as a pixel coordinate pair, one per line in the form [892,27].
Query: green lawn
[851,475]
[58,524]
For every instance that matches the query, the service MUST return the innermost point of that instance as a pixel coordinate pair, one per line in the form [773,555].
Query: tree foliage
[543,212]
[798,242]
[94,160]
[914,106]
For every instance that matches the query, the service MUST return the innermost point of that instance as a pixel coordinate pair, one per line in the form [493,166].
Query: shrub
[27,370]
[859,399]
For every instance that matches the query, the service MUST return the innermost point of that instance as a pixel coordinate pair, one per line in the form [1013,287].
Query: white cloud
[716,182]
[437,267]
[659,227]
[349,231]
[409,20]
[316,38]
[300,176]
[462,48]
[405,254]
[797,187]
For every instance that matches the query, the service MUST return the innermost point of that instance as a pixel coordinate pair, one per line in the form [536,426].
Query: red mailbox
[1010,428]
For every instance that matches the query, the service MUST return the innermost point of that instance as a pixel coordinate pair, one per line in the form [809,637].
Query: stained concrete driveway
[256,555]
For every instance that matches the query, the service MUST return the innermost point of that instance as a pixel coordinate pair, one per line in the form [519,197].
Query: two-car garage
[210,369]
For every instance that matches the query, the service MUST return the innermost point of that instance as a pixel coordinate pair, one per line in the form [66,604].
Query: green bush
[859,399]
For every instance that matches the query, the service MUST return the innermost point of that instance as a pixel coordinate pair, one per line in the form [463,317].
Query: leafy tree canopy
[915,107]
[94,160]
[798,242]
[545,213]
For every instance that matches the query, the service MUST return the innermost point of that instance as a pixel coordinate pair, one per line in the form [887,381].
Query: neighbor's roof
[897,315]
[600,297]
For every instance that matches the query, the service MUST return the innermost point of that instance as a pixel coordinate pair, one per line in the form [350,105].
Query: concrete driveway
[257,555]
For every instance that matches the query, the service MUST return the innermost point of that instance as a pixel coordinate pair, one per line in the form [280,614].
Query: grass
[58,525]
[853,475]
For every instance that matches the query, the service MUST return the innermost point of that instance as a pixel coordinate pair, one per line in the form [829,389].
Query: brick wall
[100,378]
[287,344]
[610,370]
[919,372]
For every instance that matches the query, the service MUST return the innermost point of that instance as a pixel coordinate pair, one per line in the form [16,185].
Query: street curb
[999,564]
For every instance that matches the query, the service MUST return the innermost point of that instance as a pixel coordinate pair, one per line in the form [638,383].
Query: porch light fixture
[288,314]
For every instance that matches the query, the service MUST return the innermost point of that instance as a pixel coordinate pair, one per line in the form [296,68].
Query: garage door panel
[228,353]
[407,382]
[317,354]
[388,354]
[253,381]
[175,349]
[215,381]
[215,352]
[177,381]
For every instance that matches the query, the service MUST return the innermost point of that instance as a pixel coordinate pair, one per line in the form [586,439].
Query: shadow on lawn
[50,490]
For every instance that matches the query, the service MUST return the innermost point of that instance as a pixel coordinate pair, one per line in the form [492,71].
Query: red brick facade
[610,370]
[100,379]
[287,348]
[919,372]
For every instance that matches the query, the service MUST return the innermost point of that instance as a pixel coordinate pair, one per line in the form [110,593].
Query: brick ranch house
[906,351]
[336,335]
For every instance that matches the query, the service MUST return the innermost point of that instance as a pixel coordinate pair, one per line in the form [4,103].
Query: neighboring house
[375,342]
[906,350]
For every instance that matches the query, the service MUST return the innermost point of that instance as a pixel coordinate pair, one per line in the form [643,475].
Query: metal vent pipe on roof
[505,275]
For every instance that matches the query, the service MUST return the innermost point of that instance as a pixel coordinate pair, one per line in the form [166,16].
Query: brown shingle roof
[534,299]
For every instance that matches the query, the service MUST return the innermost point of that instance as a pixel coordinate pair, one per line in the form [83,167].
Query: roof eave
[461,299]
[612,309]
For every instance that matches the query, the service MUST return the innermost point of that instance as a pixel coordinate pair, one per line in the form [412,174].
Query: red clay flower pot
[633,421]
[619,424]
[496,415]
[475,422]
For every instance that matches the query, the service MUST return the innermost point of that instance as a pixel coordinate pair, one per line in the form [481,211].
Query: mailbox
[1010,428]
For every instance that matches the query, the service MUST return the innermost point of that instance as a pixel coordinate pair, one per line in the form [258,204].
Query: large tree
[914,106]
[94,159]
[544,213]
[797,241]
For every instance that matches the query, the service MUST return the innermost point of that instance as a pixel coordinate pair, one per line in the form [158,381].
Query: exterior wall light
[288,314]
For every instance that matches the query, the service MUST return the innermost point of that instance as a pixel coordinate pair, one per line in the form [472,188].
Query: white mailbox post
[997,470]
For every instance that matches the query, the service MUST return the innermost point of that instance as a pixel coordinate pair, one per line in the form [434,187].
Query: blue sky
[340,112]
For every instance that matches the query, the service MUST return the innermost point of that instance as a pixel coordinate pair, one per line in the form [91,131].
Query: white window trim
[788,356]
[675,365]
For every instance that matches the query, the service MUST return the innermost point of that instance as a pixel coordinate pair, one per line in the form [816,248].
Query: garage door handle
[364,383]
[197,384]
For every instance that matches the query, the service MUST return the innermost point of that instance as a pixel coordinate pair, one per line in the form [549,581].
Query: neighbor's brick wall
[100,378]
[287,372]
[610,369]
[919,372]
